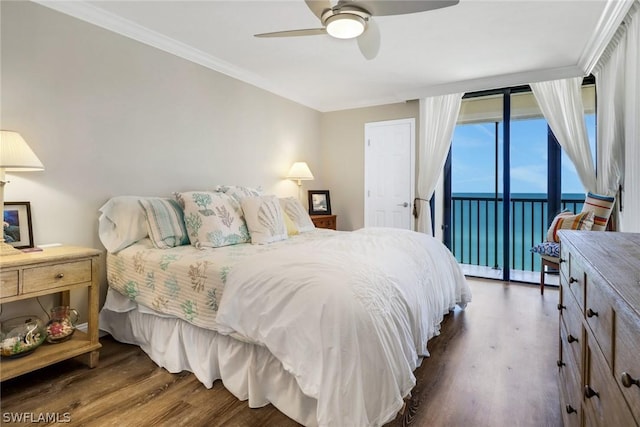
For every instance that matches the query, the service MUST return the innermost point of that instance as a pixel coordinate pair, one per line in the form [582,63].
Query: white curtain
[562,107]
[631,190]
[610,126]
[618,89]
[438,117]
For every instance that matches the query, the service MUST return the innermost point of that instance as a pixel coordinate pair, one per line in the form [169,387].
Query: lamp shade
[16,155]
[300,171]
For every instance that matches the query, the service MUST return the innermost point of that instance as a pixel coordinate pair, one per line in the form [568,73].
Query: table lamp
[15,156]
[300,172]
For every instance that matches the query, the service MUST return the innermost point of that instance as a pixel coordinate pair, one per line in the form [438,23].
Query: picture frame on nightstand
[319,202]
[16,225]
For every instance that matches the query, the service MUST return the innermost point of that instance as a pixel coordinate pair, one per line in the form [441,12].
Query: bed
[327,326]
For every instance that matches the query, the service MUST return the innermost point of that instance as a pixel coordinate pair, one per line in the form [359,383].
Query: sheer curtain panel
[618,89]
[438,116]
[562,107]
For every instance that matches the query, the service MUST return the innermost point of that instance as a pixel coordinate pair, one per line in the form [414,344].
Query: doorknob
[404,205]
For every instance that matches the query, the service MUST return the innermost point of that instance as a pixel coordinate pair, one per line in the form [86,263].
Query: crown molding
[613,14]
[109,21]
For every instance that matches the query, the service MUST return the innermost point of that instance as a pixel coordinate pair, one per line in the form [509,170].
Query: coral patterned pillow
[213,219]
[265,219]
[569,221]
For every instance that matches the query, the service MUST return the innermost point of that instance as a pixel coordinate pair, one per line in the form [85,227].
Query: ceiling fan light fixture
[345,25]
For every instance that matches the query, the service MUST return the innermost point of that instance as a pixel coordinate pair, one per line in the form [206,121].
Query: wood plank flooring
[492,365]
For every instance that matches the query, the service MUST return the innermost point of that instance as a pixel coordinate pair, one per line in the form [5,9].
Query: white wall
[342,153]
[110,116]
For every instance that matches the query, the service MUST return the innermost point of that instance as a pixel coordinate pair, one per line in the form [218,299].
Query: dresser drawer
[8,283]
[599,315]
[627,360]
[58,275]
[571,338]
[576,280]
[603,406]
[570,374]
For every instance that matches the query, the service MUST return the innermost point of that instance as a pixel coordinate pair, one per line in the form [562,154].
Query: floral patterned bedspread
[184,281]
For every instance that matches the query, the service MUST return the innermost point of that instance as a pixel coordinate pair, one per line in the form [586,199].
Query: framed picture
[319,202]
[17,224]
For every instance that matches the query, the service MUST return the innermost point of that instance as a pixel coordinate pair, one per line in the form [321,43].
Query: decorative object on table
[15,156]
[21,335]
[319,202]
[300,172]
[62,324]
[18,231]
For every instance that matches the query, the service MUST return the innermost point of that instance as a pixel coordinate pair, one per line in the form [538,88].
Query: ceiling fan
[353,19]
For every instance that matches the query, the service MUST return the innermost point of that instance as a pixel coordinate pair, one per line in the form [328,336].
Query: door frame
[412,160]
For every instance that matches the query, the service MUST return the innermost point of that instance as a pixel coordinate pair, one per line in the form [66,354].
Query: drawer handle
[561,307]
[589,392]
[59,275]
[570,409]
[591,313]
[628,380]
[571,339]
[572,280]
[560,363]
[561,260]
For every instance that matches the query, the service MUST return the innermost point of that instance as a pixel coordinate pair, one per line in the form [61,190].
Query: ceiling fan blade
[318,6]
[294,33]
[369,41]
[398,7]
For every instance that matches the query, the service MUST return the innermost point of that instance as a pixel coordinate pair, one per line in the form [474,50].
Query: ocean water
[477,228]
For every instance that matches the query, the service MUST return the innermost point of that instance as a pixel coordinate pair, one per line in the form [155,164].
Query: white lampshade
[16,155]
[300,171]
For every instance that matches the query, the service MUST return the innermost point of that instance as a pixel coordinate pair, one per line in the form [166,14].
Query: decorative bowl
[21,336]
[62,324]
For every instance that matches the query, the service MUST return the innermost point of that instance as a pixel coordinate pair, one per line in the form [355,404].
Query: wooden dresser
[599,363]
[324,221]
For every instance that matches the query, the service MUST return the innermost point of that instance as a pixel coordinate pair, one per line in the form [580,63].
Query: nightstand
[324,221]
[54,270]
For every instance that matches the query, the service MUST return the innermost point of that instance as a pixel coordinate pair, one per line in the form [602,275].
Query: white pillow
[265,219]
[213,219]
[292,207]
[239,192]
[122,222]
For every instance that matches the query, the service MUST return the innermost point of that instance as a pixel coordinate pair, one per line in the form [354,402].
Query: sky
[473,158]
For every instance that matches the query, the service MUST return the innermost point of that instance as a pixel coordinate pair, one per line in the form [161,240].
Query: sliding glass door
[505,179]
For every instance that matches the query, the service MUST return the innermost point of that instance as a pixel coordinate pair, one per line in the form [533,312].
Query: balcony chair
[594,216]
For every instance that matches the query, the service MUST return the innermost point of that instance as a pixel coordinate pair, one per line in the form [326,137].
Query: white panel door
[389,173]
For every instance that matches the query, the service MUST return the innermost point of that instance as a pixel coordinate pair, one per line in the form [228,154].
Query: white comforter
[348,316]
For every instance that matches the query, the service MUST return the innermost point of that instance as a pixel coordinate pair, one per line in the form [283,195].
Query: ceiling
[475,45]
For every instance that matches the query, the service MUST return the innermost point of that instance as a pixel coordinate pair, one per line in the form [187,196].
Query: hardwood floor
[492,365]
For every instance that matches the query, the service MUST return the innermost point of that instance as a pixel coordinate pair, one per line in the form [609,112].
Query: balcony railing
[476,228]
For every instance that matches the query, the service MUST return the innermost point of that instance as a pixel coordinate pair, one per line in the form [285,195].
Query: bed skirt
[250,372]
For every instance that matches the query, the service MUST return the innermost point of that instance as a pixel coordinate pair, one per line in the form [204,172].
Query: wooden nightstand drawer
[8,283]
[53,276]
[324,221]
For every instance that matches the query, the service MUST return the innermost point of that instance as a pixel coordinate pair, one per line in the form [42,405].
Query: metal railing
[476,229]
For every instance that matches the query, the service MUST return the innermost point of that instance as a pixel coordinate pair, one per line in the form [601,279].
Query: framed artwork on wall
[16,224]
[319,202]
